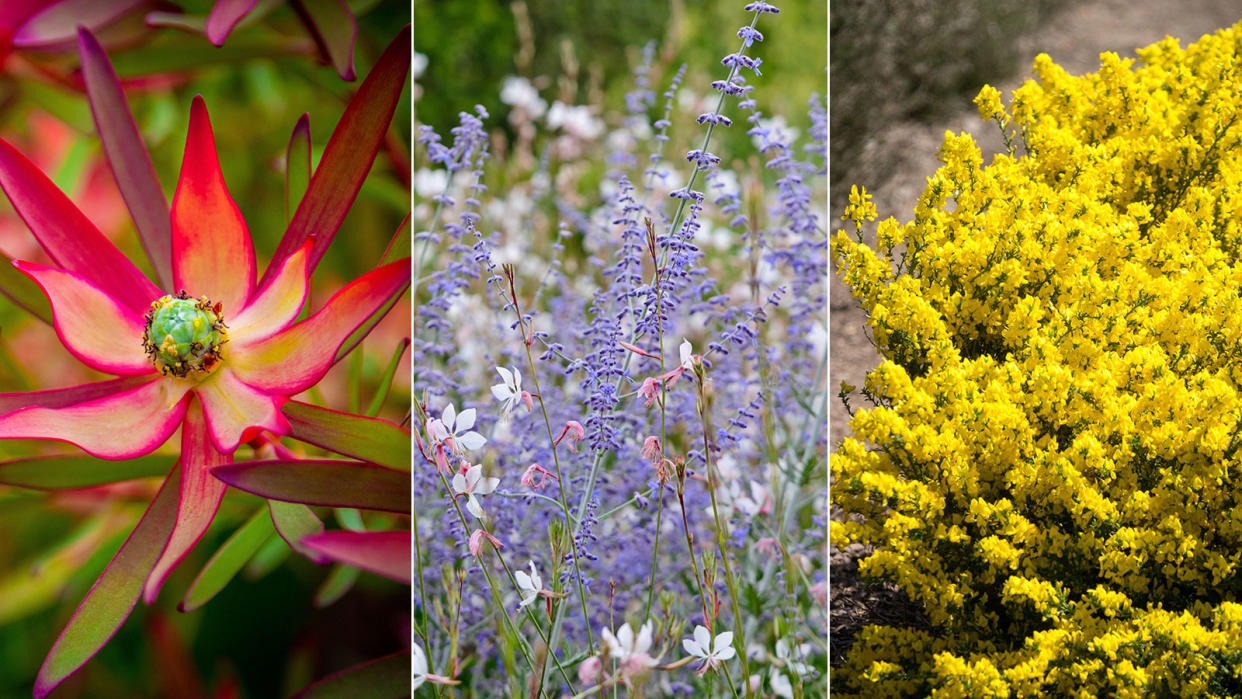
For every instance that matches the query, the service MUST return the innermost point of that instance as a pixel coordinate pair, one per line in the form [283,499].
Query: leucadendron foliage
[1051,465]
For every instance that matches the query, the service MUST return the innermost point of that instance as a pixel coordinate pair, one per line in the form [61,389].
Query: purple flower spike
[761,7]
[749,35]
[714,118]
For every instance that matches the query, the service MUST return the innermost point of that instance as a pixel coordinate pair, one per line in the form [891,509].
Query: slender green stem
[694,561]
[418,570]
[655,548]
[556,460]
[722,534]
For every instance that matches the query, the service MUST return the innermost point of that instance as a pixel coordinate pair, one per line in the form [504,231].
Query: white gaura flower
[712,653]
[528,585]
[686,350]
[781,685]
[419,664]
[510,392]
[471,484]
[630,650]
[793,655]
[454,430]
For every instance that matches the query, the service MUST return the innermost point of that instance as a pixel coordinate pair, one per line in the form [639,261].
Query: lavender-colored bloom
[714,118]
[761,7]
[730,88]
[748,35]
[702,160]
[586,284]
[741,60]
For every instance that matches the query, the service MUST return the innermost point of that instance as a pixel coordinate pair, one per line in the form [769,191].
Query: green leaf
[270,555]
[328,483]
[399,245]
[384,677]
[229,560]
[338,583]
[70,472]
[297,165]
[367,438]
[293,522]
[385,383]
[112,598]
[127,156]
[334,27]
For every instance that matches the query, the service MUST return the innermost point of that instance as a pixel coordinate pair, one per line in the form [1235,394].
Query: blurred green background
[471,47]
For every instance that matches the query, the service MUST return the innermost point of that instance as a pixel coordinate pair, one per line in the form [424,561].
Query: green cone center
[184,335]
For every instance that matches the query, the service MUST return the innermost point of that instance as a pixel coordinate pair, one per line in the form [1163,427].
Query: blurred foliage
[584,52]
[907,59]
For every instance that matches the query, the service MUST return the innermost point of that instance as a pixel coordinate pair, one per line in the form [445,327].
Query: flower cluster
[1050,468]
[655,435]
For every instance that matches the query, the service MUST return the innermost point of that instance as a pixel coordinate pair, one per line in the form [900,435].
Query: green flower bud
[184,335]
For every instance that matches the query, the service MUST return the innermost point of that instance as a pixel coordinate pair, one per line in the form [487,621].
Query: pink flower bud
[573,429]
[476,542]
[589,670]
[649,390]
[651,448]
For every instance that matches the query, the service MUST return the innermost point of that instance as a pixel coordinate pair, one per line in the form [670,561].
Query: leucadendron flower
[219,345]
[218,357]
[221,355]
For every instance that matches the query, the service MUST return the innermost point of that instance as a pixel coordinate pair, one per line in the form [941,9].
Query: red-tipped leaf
[200,497]
[212,251]
[225,15]
[383,553]
[65,397]
[388,676]
[127,156]
[297,165]
[294,522]
[119,426]
[109,602]
[69,238]
[348,156]
[59,22]
[326,483]
[367,438]
[335,28]
[295,358]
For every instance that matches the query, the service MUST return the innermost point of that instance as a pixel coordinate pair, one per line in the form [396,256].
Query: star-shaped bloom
[218,358]
[471,484]
[453,430]
[792,656]
[204,344]
[529,586]
[628,649]
[509,392]
[712,653]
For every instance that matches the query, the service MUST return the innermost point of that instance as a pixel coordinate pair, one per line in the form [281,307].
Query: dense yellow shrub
[1051,466]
